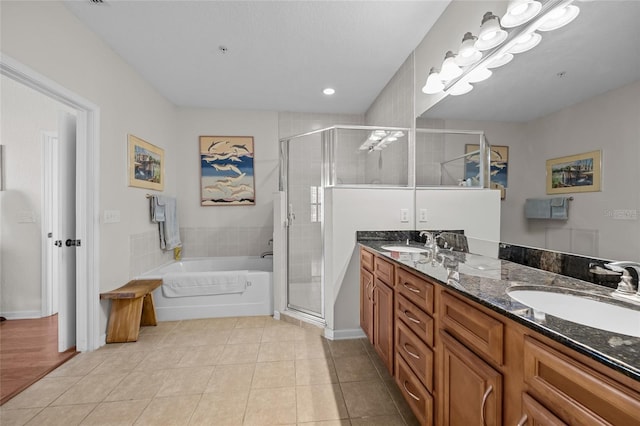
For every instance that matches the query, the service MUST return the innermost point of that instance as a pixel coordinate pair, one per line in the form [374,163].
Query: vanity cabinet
[366,303]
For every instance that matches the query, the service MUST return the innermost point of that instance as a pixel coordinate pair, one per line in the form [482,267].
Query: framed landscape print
[226,171]
[146,164]
[575,173]
[498,169]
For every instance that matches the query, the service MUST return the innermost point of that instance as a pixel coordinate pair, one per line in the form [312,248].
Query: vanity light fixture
[559,17]
[479,74]
[491,34]
[434,83]
[468,54]
[498,61]
[460,88]
[450,69]
[520,12]
[526,41]
[374,138]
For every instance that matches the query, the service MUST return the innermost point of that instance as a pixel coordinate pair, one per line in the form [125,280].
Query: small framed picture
[574,173]
[146,164]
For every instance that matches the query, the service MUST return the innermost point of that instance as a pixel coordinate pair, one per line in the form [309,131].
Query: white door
[65,240]
[50,224]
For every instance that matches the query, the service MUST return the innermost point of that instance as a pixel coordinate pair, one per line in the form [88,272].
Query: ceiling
[597,52]
[280,54]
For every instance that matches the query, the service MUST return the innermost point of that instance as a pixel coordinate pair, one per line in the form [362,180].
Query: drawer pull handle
[484,402]
[416,356]
[410,318]
[410,288]
[404,385]
[523,420]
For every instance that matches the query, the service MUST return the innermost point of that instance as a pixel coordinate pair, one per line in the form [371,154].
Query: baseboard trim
[22,315]
[353,333]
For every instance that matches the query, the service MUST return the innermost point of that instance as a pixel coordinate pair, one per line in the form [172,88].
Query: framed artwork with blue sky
[226,171]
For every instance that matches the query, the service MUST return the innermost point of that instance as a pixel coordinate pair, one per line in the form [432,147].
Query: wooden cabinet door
[471,388]
[535,414]
[366,303]
[383,323]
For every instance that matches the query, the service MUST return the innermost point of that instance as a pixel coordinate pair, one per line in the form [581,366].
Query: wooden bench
[131,307]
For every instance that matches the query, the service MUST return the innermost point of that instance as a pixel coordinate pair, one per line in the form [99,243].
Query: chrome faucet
[430,241]
[626,286]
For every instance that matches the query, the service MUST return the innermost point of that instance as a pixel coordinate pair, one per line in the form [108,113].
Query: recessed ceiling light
[329,91]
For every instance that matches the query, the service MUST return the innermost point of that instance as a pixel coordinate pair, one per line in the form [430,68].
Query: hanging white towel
[204,283]
[164,213]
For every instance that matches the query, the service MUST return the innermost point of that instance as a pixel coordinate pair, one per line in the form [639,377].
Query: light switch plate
[422,217]
[111,216]
[404,215]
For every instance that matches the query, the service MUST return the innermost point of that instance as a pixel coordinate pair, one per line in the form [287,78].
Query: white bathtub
[256,299]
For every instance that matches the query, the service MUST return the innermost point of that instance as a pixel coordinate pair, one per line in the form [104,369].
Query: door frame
[87,196]
[49,280]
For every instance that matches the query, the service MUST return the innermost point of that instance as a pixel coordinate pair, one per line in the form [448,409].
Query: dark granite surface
[486,280]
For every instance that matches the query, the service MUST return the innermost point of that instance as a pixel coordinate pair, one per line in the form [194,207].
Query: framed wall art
[574,173]
[498,170]
[146,164]
[226,171]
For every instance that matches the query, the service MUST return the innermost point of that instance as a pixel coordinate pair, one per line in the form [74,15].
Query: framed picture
[226,171]
[575,173]
[498,169]
[146,164]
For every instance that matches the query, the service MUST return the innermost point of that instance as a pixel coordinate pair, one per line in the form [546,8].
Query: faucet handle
[625,286]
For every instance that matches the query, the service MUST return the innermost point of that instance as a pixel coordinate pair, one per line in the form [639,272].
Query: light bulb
[468,54]
[434,83]
[525,42]
[520,12]
[450,69]
[559,17]
[491,35]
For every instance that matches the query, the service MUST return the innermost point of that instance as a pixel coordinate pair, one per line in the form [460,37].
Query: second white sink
[404,249]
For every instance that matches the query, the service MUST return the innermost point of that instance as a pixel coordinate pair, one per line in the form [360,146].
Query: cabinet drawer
[535,414]
[419,399]
[415,289]
[384,271]
[366,260]
[419,322]
[574,392]
[473,327]
[417,355]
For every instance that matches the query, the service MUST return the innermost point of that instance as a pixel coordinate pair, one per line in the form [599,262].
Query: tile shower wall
[146,253]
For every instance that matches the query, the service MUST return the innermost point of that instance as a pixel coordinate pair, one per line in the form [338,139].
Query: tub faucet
[626,286]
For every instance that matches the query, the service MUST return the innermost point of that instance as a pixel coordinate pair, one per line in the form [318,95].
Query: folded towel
[204,283]
[558,201]
[537,208]
[559,208]
[158,203]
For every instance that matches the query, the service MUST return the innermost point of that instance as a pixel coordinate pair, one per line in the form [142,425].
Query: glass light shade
[450,69]
[559,17]
[519,12]
[525,42]
[434,83]
[460,88]
[499,61]
[491,34]
[468,54]
[478,74]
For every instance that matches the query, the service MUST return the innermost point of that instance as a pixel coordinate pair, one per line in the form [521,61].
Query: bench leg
[148,311]
[124,320]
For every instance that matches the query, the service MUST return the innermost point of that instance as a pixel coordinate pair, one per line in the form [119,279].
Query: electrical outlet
[422,215]
[111,216]
[404,215]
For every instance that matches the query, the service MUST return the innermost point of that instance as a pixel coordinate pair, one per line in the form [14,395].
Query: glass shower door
[304,198]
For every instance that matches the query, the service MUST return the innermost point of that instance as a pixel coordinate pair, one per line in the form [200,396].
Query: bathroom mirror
[577,91]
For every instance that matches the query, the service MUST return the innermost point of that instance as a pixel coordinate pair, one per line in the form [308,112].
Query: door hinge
[70,243]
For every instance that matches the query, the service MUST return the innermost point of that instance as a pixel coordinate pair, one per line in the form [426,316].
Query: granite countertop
[486,280]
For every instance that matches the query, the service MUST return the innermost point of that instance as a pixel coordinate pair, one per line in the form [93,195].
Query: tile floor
[224,371]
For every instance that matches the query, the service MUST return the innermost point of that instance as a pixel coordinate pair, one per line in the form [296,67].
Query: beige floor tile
[271,407]
[171,411]
[162,359]
[320,402]
[208,324]
[380,367]
[191,338]
[252,322]
[137,385]
[239,354]
[220,409]
[145,343]
[185,381]
[379,421]
[119,362]
[92,388]
[62,416]
[315,372]
[276,351]
[119,413]
[214,337]
[202,356]
[245,335]
[278,374]
[312,348]
[18,416]
[42,393]
[368,399]
[343,422]
[282,333]
[81,364]
[343,348]
[355,369]
[163,327]
[231,378]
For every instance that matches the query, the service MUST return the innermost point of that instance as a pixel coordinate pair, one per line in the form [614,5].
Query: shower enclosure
[356,157]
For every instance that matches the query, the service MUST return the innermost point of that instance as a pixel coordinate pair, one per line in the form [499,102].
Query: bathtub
[255,299]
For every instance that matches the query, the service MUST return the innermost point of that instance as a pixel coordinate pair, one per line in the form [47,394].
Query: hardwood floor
[28,351]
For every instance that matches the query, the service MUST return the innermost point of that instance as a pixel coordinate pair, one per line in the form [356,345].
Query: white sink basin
[404,249]
[581,310]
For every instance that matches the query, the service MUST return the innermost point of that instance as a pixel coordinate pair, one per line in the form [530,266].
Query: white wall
[26,114]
